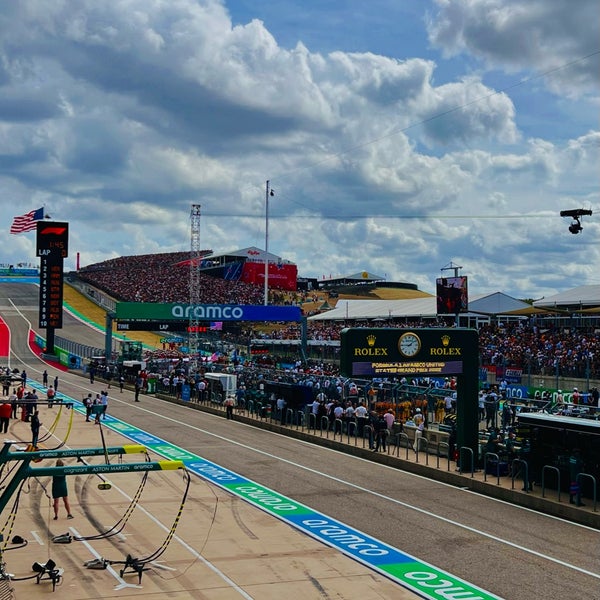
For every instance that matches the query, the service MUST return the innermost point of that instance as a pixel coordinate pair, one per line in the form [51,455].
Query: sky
[400,138]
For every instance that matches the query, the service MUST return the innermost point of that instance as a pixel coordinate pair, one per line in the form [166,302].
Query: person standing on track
[88,402]
[104,403]
[59,490]
[97,408]
[35,428]
[50,394]
[14,404]
[5,414]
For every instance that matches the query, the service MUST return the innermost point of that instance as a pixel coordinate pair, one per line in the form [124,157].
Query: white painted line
[158,564]
[37,538]
[121,582]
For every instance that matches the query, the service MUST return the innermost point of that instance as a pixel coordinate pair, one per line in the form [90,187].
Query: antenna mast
[193,324]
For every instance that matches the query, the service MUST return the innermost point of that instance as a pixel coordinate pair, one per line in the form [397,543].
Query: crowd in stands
[162,278]
[543,350]
[527,344]
[519,344]
[331,330]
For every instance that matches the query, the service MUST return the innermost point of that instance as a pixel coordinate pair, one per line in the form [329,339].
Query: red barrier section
[38,352]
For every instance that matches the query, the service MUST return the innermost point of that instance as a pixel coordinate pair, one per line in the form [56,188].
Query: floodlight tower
[193,323]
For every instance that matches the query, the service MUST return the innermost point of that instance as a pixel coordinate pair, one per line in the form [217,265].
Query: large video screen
[452,295]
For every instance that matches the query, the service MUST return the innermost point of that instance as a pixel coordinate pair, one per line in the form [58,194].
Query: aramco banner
[150,311]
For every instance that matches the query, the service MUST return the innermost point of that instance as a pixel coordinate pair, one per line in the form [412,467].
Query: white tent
[584,296]
[497,303]
[485,304]
[378,309]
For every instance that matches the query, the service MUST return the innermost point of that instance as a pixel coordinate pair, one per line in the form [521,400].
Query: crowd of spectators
[331,330]
[528,344]
[164,278]
[524,344]
[540,349]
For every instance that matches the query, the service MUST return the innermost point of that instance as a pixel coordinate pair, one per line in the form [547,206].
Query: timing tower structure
[195,263]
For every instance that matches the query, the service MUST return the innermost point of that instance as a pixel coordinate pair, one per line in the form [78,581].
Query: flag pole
[268,192]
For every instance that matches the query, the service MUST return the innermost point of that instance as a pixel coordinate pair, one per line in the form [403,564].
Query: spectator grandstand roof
[250,253]
[485,304]
[353,279]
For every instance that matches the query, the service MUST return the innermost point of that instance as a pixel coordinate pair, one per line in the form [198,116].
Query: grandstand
[248,265]
[163,278]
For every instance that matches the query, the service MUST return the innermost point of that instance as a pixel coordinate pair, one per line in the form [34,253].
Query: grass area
[94,313]
[398,294]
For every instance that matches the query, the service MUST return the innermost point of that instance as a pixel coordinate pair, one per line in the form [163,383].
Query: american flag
[27,222]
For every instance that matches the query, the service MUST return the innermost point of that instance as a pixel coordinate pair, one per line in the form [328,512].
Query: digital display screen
[453,367]
[452,295]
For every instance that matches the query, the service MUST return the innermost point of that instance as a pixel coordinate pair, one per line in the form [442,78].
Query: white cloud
[536,35]
[134,110]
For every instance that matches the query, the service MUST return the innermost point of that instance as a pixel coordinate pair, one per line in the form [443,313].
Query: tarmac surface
[222,547]
[483,532]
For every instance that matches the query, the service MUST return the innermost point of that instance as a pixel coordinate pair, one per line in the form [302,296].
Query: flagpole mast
[268,192]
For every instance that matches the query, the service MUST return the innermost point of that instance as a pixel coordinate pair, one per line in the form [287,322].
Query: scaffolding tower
[195,263]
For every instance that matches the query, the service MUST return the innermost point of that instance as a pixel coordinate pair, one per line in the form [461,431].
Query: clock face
[409,344]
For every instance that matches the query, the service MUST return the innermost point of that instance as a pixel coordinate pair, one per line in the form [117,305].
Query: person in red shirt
[50,394]
[5,414]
